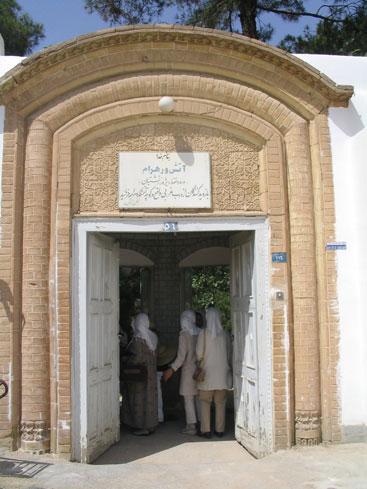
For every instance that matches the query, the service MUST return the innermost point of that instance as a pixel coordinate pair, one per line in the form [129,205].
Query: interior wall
[166,250]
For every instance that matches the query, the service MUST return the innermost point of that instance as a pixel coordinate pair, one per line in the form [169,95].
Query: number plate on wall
[280,257]
[170,227]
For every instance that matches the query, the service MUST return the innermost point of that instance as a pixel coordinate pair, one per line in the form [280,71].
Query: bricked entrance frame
[81,228]
[262,115]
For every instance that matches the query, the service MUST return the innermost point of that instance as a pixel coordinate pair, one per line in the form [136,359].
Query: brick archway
[56,102]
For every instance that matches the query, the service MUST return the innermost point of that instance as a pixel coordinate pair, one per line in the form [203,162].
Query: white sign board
[164,180]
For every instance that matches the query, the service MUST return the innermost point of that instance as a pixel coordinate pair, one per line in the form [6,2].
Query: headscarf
[188,323]
[140,326]
[213,323]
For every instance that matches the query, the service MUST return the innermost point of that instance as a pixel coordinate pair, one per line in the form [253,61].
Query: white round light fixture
[167,104]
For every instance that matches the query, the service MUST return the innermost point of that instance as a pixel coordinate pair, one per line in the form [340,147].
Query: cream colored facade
[262,116]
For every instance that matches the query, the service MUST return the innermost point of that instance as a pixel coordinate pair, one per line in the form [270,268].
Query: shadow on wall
[349,121]
[7,300]
[183,145]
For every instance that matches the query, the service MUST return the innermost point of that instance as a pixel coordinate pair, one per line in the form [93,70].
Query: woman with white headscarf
[213,351]
[185,360]
[140,410]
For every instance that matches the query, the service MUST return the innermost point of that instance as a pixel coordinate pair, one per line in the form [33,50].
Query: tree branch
[339,7]
[299,14]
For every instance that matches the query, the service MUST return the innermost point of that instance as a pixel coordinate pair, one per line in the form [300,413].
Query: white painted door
[248,429]
[103,421]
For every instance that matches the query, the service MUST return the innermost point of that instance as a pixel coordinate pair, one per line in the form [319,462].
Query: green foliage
[210,286]
[19,31]
[127,11]
[244,16]
[347,38]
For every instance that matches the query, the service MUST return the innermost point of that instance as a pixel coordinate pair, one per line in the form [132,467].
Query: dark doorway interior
[164,290]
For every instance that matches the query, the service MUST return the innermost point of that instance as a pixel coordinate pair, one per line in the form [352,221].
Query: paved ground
[168,460]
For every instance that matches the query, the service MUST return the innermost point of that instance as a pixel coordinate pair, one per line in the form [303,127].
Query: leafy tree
[19,31]
[348,38]
[243,16]
[210,286]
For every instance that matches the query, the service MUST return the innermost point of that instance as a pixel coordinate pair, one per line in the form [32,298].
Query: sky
[65,19]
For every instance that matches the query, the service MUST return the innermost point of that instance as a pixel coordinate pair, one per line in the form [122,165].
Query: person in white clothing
[186,357]
[213,351]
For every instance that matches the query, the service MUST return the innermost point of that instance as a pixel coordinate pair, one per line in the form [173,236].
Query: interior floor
[163,443]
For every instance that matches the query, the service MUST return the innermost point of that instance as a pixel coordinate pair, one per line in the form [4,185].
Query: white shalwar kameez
[186,360]
[214,348]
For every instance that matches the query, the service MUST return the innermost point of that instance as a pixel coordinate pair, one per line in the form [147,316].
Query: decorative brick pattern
[308,429]
[233,161]
[35,436]
[189,47]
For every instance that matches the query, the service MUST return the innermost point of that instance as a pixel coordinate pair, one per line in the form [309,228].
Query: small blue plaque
[279,257]
[337,245]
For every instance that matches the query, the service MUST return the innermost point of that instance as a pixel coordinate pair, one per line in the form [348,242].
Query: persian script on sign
[164,180]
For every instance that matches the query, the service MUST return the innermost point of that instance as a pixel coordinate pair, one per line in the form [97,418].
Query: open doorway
[164,287]
[185,271]
[205,286]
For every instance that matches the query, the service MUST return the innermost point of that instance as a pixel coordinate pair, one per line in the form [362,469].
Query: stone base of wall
[6,442]
[354,433]
[308,429]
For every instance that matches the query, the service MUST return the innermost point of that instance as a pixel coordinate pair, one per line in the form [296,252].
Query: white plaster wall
[2,46]
[6,63]
[349,147]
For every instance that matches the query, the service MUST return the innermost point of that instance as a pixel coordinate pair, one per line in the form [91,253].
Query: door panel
[102,346]
[245,359]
